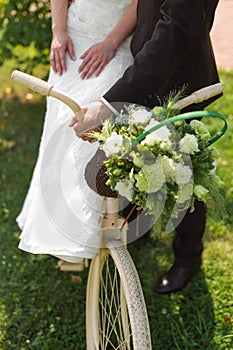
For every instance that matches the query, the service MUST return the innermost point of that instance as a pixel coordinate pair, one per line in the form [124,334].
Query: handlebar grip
[33,83]
[46,89]
[199,96]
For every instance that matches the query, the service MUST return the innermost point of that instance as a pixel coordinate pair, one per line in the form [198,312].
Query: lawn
[42,308]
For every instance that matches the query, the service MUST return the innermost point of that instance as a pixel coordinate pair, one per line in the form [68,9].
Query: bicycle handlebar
[47,89]
[199,96]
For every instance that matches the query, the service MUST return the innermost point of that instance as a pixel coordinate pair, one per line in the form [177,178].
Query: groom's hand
[95,114]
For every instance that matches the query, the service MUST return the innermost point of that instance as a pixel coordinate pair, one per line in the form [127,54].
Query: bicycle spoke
[112,331]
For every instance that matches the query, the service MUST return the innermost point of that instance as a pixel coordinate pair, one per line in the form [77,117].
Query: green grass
[41,308]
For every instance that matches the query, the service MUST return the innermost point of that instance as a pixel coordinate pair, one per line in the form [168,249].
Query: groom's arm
[176,32]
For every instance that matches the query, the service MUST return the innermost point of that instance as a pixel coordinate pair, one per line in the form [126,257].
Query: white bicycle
[116,314]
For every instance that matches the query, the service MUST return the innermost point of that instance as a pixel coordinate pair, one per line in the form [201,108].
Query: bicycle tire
[135,324]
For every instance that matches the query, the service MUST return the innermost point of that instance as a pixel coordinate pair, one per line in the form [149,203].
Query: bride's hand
[61,43]
[95,114]
[96,58]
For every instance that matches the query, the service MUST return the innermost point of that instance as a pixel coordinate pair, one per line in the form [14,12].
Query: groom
[171,47]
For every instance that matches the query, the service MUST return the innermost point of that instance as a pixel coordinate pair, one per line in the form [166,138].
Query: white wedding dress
[61,215]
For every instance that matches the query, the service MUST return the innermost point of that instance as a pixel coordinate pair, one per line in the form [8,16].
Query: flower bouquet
[160,162]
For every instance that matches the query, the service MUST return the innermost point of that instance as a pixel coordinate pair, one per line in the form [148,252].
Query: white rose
[183,174]
[200,128]
[141,181]
[165,145]
[169,167]
[154,176]
[125,189]
[149,140]
[189,144]
[161,134]
[140,116]
[113,144]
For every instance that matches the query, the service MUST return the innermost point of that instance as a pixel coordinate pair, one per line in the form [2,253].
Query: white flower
[169,167]
[189,144]
[185,193]
[113,144]
[183,174]
[200,128]
[160,134]
[165,145]
[137,159]
[141,182]
[140,116]
[149,140]
[154,176]
[125,189]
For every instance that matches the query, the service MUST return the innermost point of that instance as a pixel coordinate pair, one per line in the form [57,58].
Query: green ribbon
[185,116]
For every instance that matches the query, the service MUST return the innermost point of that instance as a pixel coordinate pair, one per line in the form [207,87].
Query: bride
[90,50]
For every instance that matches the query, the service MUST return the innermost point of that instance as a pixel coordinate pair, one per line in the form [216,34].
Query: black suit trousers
[187,243]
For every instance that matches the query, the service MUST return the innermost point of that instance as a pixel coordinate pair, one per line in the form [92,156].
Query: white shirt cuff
[114,111]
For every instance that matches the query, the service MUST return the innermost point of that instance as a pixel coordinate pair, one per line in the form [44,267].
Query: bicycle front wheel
[116,315]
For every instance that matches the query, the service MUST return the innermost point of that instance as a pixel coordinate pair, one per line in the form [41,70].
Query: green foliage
[25,32]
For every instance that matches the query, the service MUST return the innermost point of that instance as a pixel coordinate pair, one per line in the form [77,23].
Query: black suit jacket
[172,47]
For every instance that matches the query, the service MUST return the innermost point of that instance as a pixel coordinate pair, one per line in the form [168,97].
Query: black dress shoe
[177,278]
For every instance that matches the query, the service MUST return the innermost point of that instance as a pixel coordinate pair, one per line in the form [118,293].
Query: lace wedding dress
[61,215]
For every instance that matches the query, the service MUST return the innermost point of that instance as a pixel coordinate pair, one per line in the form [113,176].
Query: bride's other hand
[61,43]
[96,58]
[95,114]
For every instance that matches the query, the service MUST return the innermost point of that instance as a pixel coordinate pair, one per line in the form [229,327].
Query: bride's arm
[61,42]
[97,56]
[125,26]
